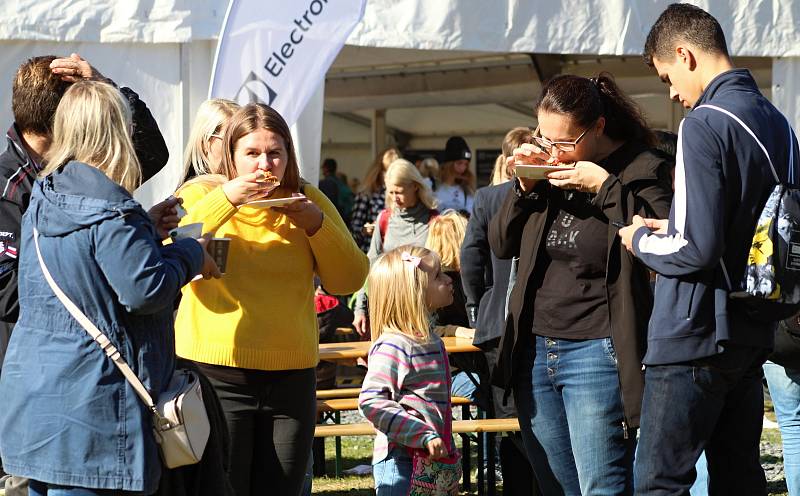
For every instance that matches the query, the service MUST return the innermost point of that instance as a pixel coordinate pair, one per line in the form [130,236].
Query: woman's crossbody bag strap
[100,338]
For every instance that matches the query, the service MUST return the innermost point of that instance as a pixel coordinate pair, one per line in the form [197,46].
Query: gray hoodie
[405,227]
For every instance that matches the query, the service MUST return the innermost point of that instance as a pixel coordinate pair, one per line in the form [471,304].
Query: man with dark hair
[336,190]
[704,353]
[328,183]
[38,86]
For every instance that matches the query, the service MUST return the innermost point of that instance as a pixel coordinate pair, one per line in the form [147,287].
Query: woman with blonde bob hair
[203,152]
[72,423]
[410,206]
[406,392]
[370,200]
[254,332]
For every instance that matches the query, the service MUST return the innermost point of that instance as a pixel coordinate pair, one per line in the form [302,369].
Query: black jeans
[714,404]
[271,423]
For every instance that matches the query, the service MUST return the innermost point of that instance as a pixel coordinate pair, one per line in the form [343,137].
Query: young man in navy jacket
[704,356]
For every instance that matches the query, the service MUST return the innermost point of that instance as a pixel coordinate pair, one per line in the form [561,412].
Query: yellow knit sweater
[260,314]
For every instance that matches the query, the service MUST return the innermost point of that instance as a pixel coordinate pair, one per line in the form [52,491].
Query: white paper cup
[193,231]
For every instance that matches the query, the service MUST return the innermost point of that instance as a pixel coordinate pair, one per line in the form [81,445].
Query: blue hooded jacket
[722,181]
[69,417]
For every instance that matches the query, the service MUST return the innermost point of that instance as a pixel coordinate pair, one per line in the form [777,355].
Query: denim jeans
[570,410]
[784,389]
[714,403]
[393,474]
[700,486]
[36,488]
[464,386]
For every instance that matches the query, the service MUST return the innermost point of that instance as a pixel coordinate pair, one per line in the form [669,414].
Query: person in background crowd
[429,168]
[572,345]
[782,371]
[71,422]
[328,183]
[336,190]
[37,88]
[346,196]
[704,354]
[487,281]
[371,198]
[406,392]
[332,315]
[254,332]
[203,151]
[410,206]
[457,180]
[445,236]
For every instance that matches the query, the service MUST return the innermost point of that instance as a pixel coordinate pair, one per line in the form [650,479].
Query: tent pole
[378,130]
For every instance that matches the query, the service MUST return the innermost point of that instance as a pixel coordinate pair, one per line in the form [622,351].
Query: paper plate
[274,202]
[539,171]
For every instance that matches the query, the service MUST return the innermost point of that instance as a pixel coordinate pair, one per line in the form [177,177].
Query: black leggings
[271,422]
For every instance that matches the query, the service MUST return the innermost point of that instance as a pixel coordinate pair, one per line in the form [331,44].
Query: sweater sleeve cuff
[601,198]
[637,236]
[428,437]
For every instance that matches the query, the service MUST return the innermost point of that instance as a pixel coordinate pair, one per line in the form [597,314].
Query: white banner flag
[277,52]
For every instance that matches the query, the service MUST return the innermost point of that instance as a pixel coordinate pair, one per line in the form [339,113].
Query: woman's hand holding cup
[209,268]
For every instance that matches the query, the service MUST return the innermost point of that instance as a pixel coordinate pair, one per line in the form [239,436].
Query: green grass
[358,450]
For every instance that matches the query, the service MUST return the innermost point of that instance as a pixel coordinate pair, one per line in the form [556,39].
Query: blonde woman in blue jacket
[71,423]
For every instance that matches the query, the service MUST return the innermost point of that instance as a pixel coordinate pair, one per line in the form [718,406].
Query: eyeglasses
[214,135]
[564,146]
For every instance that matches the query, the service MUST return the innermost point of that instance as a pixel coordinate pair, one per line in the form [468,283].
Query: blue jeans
[464,386]
[570,410]
[784,389]
[700,486]
[36,488]
[714,403]
[393,474]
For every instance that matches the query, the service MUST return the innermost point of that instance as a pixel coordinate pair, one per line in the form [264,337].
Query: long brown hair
[373,179]
[465,181]
[586,100]
[252,117]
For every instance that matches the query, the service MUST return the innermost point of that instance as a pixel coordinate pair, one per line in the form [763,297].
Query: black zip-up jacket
[485,277]
[18,172]
[639,183]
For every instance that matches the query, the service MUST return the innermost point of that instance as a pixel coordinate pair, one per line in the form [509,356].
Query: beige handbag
[180,420]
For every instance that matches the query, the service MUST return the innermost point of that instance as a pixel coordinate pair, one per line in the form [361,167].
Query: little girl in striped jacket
[406,392]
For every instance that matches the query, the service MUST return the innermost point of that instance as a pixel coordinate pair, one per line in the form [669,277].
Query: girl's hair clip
[409,258]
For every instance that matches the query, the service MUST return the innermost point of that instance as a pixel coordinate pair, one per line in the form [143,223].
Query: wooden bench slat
[459,427]
[338,393]
[340,404]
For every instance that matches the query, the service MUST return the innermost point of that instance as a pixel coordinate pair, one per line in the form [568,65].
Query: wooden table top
[356,349]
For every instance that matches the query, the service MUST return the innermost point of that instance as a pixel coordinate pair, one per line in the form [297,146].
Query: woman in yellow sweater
[254,331]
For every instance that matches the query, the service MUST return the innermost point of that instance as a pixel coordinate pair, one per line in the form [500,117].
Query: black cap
[456,149]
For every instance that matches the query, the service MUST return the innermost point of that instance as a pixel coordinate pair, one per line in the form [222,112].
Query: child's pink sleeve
[389,363]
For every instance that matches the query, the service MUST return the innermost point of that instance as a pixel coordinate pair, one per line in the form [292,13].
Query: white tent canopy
[457,66]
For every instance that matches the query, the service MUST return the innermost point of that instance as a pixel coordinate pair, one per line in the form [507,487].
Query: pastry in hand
[268,177]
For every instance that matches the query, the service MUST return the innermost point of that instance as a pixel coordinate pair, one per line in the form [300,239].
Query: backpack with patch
[770,287]
[383,220]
